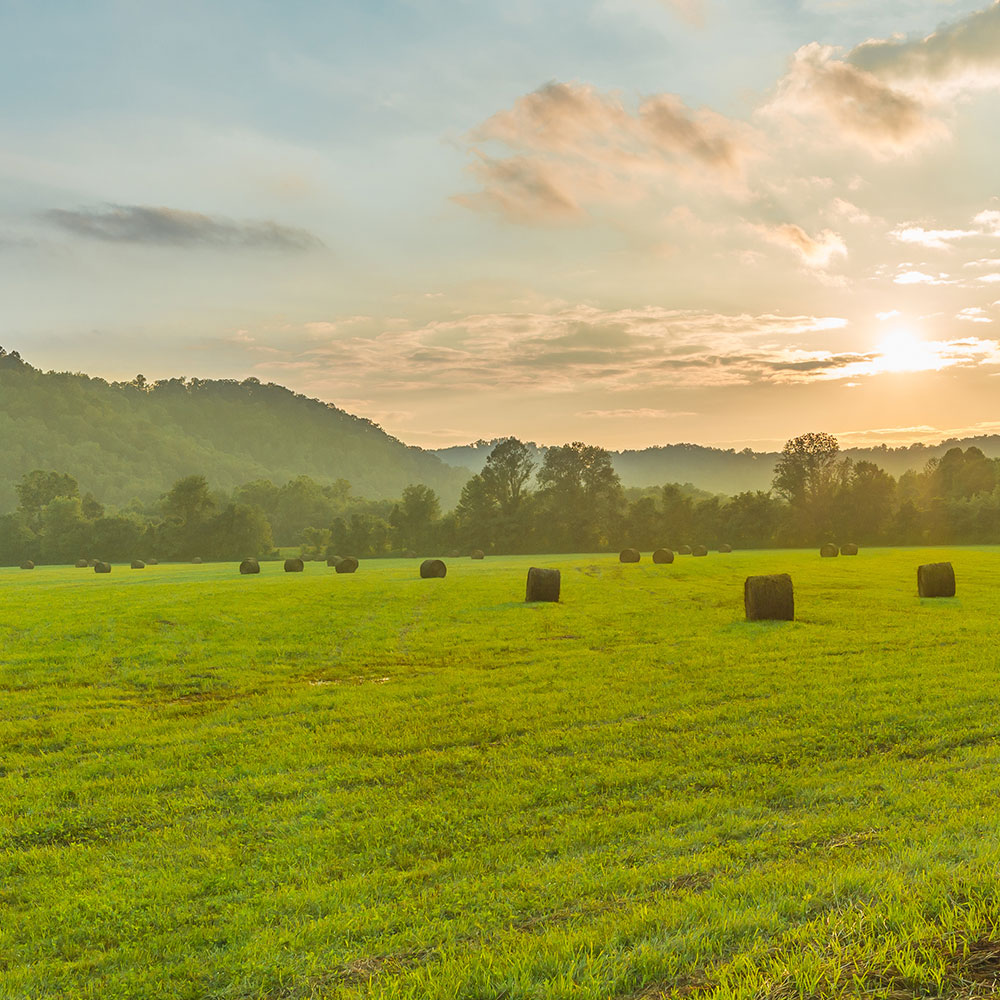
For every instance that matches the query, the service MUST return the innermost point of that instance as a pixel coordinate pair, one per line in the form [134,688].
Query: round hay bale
[102,567]
[138,564]
[333,561]
[477,554]
[432,569]
[197,560]
[543,585]
[152,562]
[347,565]
[27,564]
[91,562]
[249,566]
[294,565]
[850,549]
[454,554]
[936,580]
[769,598]
[81,564]
[629,556]
[663,556]
[829,551]
[725,548]
[684,550]
[699,550]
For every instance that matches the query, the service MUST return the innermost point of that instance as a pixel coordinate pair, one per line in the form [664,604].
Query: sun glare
[903,351]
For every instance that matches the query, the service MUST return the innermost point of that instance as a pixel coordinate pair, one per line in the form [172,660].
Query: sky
[627,222]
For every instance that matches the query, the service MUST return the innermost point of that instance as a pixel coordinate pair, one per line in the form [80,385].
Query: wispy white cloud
[921,278]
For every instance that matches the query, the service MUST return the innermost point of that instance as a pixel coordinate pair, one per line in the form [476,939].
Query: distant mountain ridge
[134,440]
[725,470]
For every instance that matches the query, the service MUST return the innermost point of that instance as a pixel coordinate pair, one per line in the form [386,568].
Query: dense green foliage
[129,440]
[311,785]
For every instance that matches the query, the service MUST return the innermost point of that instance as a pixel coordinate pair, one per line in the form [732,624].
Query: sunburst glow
[903,351]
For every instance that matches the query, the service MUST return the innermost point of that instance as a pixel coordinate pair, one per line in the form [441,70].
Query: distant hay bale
[699,550]
[936,580]
[829,551]
[294,566]
[477,554]
[629,556]
[102,567]
[249,566]
[684,550]
[850,549]
[138,564]
[543,585]
[663,556]
[91,562]
[432,569]
[454,554]
[81,564]
[333,561]
[152,562]
[347,565]
[27,564]
[769,598]
[725,548]
[409,554]
[197,560]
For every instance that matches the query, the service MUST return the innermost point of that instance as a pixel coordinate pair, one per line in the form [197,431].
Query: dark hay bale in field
[936,580]
[333,561]
[102,567]
[663,556]
[152,562]
[543,585]
[27,564]
[684,550]
[249,566]
[138,564]
[197,560]
[850,549]
[432,569]
[294,566]
[81,564]
[454,554]
[769,598]
[629,556]
[725,548]
[91,562]
[699,550]
[477,554]
[829,551]
[347,565]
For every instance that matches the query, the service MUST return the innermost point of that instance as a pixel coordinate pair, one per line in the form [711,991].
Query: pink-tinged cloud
[568,146]
[691,11]
[815,251]
[893,95]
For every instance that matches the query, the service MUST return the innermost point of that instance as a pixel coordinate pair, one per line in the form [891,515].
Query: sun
[904,351]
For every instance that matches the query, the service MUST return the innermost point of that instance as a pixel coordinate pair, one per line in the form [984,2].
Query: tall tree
[807,476]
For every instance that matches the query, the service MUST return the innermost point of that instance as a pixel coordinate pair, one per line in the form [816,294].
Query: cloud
[892,95]
[158,226]
[817,251]
[692,11]
[640,414]
[567,146]
[920,278]
[974,314]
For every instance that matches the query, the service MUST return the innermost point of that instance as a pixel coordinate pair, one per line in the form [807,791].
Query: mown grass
[312,785]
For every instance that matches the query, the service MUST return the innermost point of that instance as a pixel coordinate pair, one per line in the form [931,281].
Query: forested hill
[126,440]
[720,470]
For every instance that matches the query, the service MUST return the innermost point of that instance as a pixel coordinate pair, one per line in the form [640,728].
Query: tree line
[570,501]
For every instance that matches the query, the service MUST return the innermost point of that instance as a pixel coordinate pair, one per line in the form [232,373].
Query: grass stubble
[373,785]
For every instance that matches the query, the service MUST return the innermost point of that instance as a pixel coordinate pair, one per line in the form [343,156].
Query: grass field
[312,785]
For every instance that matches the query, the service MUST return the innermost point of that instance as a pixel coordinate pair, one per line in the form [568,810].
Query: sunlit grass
[312,785]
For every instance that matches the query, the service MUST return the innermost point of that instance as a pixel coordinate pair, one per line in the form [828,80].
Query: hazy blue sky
[624,221]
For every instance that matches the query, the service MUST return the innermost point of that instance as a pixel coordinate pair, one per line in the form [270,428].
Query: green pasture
[372,785]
